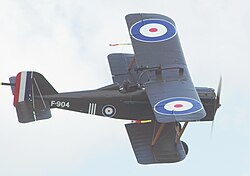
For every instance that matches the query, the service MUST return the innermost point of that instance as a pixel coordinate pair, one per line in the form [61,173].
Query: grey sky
[67,41]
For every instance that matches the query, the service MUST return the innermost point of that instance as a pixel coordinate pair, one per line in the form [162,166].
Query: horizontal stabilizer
[27,113]
[13,82]
[165,149]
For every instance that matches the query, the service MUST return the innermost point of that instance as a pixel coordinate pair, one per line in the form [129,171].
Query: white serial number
[60,104]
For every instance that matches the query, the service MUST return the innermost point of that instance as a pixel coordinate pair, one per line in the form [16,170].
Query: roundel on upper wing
[177,106]
[153,30]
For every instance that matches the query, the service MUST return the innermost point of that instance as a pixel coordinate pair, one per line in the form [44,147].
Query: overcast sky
[67,41]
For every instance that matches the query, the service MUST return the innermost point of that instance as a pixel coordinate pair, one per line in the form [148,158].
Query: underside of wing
[164,150]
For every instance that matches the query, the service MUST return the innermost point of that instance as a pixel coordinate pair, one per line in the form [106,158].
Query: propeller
[217,103]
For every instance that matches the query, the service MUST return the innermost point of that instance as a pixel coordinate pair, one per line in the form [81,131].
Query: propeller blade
[217,103]
[212,129]
[218,94]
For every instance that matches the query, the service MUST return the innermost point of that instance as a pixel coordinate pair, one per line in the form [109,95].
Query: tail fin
[29,89]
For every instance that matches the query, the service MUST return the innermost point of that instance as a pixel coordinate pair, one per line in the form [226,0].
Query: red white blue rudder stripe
[23,87]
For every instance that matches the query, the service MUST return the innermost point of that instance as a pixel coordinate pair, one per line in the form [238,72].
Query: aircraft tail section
[29,88]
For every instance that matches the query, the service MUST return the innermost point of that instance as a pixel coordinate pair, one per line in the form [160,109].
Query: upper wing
[158,53]
[119,66]
[155,40]
[123,67]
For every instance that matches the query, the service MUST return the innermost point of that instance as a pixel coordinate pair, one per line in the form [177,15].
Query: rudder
[29,89]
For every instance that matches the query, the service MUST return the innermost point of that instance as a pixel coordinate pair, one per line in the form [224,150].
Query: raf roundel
[177,106]
[152,30]
[108,111]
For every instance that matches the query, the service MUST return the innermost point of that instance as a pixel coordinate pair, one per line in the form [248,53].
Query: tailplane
[29,89]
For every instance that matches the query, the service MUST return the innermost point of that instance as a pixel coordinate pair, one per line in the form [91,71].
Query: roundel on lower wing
[177,106]
[153,30]
[108,111]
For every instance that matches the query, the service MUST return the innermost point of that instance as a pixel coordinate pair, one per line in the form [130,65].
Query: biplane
[152,88]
